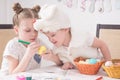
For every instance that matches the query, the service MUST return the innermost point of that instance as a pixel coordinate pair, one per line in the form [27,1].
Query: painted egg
[92,61]
[41,50]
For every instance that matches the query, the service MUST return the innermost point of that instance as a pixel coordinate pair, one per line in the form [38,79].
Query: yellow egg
[41,50]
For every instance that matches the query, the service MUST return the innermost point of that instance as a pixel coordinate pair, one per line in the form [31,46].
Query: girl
[18,57]
[56,26]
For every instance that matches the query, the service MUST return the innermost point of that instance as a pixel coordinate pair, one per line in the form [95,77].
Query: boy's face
[57,38]
[26,31]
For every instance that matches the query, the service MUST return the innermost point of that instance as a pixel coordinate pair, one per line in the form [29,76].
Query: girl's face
[58,38]
[26,31]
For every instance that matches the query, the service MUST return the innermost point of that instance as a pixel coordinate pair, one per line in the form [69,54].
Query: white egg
[108,63]
[82,62]
[98,60]
[87,60]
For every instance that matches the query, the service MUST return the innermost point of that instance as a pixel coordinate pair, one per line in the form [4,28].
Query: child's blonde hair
[23,13]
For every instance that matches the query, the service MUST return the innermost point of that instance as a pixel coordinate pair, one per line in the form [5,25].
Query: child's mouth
[32,40]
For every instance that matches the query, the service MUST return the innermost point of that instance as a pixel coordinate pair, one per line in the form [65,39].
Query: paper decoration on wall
[70,3]
[92,6]
[100,6]
[103,5]
[82,5]
[108,5]
[117,4]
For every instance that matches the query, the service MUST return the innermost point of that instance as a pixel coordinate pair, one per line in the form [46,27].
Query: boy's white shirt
[80,45]
[16,50]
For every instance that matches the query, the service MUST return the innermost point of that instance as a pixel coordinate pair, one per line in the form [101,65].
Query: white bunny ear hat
[52,19]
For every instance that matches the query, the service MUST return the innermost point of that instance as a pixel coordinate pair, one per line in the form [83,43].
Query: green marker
[36,56]
[24,42]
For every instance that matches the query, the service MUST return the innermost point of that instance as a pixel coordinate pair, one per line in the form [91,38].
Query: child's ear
[16,29]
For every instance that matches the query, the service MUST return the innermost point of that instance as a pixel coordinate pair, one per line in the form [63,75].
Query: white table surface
[56,73]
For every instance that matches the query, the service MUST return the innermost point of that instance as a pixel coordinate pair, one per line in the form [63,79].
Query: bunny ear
[36,8]
[17,8]
[48,11]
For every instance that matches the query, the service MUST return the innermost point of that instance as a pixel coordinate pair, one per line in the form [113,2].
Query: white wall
[77,17]
[3,9]
[83,20]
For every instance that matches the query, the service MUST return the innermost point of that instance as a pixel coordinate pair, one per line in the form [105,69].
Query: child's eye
[35,30]
[28,30]
[52,35]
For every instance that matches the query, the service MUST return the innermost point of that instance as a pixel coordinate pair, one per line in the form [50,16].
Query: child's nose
[52,40]
[34,33]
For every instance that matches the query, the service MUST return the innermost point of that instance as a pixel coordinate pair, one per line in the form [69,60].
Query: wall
[3,13]
[78,18]
[82,20]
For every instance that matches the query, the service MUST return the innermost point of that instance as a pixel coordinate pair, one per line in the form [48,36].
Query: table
[56,73]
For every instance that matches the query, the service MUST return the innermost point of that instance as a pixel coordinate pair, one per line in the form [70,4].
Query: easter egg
[92,61]
[87,60]
[98,60]
[82,62]
[108,63]
[42,49]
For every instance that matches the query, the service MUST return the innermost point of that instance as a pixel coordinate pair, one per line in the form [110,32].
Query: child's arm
[15,66]
[98,43]
[52,57]
[67,65]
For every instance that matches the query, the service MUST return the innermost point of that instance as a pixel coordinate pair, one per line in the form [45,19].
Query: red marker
[99,78]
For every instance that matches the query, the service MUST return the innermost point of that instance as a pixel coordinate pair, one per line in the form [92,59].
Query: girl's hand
[67,66]
[48,55]
[32,48]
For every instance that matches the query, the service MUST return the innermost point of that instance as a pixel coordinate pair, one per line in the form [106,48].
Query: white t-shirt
[16,50]
[80,45]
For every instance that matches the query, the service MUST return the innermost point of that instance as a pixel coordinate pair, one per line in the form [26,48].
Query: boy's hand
[67,66]
[48,55]
[53,57]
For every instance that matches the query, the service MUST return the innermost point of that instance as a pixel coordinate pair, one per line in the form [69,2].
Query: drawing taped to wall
[91,5]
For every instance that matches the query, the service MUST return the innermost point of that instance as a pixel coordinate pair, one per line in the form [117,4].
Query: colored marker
[24,42]
[99,78]
[41,50]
